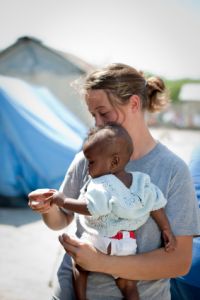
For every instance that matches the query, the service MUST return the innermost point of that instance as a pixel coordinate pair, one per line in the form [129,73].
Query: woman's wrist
[101,263]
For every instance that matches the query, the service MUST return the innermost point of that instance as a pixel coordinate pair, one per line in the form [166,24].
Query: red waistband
[119,235]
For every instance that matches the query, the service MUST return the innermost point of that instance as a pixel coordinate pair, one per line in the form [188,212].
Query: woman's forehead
[96,99]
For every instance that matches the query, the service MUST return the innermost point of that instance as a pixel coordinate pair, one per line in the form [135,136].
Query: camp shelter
[31,60]
[190,104]
[39,138]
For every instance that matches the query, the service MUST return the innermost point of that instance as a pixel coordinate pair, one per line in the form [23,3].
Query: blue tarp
[195,170]
[193,277]
[188,286]
[38,138]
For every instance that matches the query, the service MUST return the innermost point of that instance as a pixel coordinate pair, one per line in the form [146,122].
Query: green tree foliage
[174,87]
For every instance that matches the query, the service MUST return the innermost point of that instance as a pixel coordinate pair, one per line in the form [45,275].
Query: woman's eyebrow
[96,108]
[100,106]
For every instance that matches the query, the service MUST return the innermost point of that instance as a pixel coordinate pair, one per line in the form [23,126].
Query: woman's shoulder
[75,177]
[163,150]
[79,163]
[170,159]
[80,158]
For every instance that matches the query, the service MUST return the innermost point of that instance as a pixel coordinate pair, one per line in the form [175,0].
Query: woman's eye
[104,114]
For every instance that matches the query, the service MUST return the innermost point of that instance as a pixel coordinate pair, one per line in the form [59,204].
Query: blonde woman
[119,93]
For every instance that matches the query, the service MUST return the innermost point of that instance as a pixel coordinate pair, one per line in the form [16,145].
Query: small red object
[119,235]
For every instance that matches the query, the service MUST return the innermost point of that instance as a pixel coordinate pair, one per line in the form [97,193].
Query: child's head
[108,149]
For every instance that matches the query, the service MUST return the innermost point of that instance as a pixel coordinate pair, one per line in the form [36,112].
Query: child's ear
[115,161]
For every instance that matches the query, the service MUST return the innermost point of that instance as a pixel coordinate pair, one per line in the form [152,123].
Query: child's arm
[162,221]
[77,206]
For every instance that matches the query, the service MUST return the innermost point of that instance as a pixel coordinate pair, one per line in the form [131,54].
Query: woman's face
[102,110]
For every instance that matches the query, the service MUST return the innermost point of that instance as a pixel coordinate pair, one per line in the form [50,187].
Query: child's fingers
[169,247]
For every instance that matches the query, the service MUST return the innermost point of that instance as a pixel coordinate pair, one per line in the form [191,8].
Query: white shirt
[114,207]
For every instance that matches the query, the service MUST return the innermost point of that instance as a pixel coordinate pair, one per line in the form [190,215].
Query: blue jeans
[184,291]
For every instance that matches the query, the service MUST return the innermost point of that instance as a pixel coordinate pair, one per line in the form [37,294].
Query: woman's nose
[99,121]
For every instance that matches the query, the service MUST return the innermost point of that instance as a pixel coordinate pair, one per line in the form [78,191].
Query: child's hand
[38,200]
[57,198]
[169,240]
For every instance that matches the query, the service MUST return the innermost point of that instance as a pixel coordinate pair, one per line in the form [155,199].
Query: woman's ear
[135,103]
[115,162]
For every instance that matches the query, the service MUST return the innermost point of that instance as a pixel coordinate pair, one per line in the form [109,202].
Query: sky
[157,36]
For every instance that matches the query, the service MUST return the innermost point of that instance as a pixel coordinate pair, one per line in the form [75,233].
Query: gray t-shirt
[172,176]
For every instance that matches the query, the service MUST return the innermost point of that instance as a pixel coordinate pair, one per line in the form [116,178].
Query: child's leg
[128,288]
[80,281]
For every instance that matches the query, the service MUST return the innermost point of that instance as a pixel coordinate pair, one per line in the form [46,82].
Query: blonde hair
[121,81]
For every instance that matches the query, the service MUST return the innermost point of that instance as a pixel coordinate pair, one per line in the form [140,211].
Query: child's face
[99,163]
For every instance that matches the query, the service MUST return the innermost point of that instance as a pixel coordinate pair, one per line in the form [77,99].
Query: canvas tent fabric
[193,277]
[188,286]
[38,138]
[195,170]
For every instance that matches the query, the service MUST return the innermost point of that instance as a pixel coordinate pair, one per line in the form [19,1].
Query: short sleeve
[75,177]
[182,207]
[98,200]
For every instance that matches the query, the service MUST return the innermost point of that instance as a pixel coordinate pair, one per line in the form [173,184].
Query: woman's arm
[146,266]
[56,219]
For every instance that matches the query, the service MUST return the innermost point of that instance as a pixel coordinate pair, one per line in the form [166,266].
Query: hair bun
[156,93]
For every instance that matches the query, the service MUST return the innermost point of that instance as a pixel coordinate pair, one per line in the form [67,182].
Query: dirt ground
[30,253]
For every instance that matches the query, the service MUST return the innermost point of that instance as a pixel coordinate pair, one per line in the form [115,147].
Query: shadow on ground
[17,216]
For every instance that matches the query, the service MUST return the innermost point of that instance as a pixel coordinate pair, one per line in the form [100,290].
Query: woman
[119,93]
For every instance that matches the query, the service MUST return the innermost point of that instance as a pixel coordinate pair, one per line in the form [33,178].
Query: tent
[195,170]
[38,138]
[188,286]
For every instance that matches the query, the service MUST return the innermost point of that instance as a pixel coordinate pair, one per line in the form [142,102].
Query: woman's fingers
[70,249]
[73,247]
[41,194]
[84,254]
[39,206]
[48,199]
[40,200]
[70,244]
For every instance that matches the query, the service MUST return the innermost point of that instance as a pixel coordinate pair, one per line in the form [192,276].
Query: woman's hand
[84,254]
[39,200]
